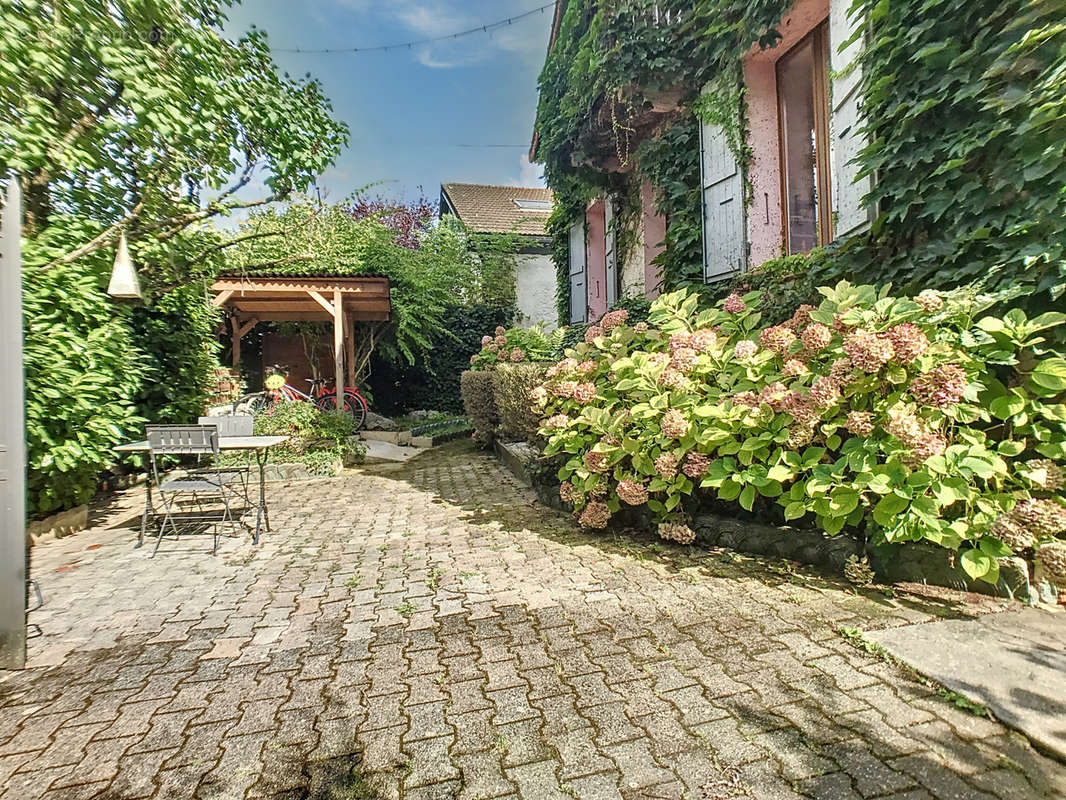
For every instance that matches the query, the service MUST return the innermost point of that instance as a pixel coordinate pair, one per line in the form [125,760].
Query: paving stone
[539,662]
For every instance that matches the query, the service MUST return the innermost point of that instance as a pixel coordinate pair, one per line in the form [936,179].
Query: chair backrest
[232,424]
[182,439]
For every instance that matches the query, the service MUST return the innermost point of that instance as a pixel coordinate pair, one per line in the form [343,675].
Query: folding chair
[199,490]
[232,425]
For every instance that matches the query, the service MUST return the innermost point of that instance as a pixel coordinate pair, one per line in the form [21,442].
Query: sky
[409,110]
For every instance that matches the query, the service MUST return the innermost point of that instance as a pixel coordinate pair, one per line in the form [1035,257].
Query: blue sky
[408,109]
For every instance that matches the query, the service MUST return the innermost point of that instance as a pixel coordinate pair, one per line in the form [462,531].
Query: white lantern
[124,284]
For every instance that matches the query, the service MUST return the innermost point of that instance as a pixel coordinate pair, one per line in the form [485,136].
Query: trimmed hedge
[480,405]
[512,386]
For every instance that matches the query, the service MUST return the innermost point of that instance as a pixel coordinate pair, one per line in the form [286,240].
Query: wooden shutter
[848,191]
[578,274]
[724,247]
[609,250]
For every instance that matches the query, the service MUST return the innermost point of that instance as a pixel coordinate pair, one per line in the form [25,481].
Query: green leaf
[976,563]
[794,510]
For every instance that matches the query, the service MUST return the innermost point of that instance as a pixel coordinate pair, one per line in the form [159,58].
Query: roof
[499,209]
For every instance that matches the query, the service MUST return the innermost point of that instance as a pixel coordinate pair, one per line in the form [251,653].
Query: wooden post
[349,340]
[338,346]
[236,324]
[13,555]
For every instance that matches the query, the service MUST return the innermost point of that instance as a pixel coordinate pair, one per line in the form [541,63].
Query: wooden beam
[349,341]
[328,306]
[236,325]
[247,327]
[221,297]
[338,346]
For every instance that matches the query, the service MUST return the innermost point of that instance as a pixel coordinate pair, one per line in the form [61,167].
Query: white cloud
[529,175]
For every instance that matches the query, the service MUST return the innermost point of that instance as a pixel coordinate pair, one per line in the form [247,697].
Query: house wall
[535,289]
[765,224]
[653,237]
[288,351]
[597,260]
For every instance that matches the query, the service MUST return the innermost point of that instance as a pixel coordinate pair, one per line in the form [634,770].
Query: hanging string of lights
[492,26]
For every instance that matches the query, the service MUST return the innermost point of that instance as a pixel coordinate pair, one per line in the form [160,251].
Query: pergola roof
[290,299]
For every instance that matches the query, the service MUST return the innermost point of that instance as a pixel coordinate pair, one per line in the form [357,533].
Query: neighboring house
[514,210]
[798,191]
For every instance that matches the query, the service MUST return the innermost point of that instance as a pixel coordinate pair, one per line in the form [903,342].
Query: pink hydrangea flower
[816,336]
[746,399]
[684,359]
[612,319]
[517,355]
[908,341]
[703,340]
[825,392]
[734,304]
[501,341]
[793,368]
[567,493]
[491,347]
[593,332]
[595,515]
[801,318]
[670,378]
[631,492]
[800,436]
[666,465]
[564,388]
[597,462]
[774,395]
[538,396]
[941,386]
[485,340]
[802,408]
[641,327]
[585,367]
[674,425]
[867,350]
[680,341]
[585,392]
[745,348]
[556,422]
[840,370]
[929,301]
[777,338]
[473,358]
[677,532]
[861,423]
[696,465]
[500,330]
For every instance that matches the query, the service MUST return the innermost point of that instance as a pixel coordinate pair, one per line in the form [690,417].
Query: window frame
[819,39]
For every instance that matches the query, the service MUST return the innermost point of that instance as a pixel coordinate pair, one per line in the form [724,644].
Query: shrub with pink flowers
[515,346]
[898,419]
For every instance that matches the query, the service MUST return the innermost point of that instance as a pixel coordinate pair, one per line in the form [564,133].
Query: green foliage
[480,405]
[515,345]
[513,385]
[432,382]
[157,104]
[967,140]
[903,419]
[319,439]
[450,266]
[84,373]
[784,283]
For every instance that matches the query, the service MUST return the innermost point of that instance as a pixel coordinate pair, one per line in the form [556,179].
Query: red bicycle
[278,390]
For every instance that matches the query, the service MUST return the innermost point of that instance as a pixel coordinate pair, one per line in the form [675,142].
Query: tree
[142,115]
[449,267]
[409,220]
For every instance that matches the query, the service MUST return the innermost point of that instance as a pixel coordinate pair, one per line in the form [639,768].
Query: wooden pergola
[342,301]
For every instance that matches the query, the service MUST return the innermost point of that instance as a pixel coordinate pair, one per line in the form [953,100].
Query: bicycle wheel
[253,403]
[353,404]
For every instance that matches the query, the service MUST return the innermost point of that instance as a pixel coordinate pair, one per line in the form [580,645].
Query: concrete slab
[1014,663]
[378,451]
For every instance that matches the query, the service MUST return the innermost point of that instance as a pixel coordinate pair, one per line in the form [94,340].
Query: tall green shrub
[513,386]
[479,402]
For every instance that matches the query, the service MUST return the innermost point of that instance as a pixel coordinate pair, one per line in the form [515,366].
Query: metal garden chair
[201,497]
[233,474]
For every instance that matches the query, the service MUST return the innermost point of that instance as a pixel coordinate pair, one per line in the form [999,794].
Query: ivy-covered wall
[966,133]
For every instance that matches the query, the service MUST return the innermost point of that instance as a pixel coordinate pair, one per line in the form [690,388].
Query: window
[533,205]
[803,112]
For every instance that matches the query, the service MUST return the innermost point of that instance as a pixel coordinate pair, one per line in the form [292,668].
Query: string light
[409,45]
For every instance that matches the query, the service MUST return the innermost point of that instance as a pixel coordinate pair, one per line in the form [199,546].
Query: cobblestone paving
[432,633]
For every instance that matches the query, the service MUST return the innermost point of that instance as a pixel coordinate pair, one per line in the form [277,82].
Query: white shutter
[578,281]
[724,248]
[609,250]
[848,191]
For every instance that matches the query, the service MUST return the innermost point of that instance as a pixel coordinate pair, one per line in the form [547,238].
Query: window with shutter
[849,190]
[578,274]
[724,248]
[611,257]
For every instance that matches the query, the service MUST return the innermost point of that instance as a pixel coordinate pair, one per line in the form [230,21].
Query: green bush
[513,385]
[515,345]
[83,372]
[432,382]
[480,405]
[319,439]
[900,419]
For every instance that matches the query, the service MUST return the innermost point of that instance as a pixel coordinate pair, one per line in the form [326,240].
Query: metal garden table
[259,444]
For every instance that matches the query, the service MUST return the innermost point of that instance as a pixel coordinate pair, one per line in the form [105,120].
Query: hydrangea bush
[904,418]
[515,346]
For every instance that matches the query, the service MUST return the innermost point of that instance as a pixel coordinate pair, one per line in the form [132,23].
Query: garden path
[428,631]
